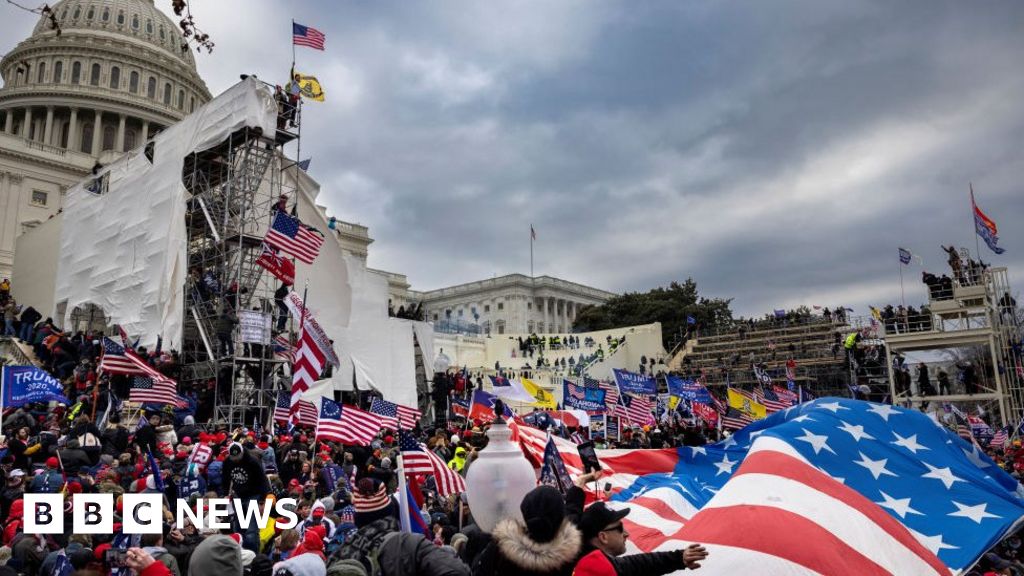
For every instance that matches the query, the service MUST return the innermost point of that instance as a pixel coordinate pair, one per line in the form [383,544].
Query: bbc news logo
[143,513]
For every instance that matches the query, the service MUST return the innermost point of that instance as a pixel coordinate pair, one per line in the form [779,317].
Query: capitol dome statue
[116,74]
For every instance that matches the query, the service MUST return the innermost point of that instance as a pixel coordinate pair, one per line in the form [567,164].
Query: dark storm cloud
[777,152]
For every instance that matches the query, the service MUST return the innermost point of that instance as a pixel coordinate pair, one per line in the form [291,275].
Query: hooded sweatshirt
[216,555]
[326,522]
[14,521]
[303,565]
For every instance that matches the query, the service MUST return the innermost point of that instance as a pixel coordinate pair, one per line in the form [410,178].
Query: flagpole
[403,496]
[531,250]
[903,300]
[977,244]
[293,51]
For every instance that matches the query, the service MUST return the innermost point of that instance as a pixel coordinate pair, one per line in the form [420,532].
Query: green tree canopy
[671,306]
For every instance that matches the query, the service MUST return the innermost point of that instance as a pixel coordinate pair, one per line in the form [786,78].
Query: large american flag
[394,416]
[307,367]
[307,36]
[306,412]
[289,235]
[149,390]
[417,459]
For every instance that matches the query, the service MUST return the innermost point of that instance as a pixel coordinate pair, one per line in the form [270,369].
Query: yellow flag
[544,398]
[309,86]
[747,405]
[673,401]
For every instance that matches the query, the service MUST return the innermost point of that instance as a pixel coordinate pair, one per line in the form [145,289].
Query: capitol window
[162,36]
[151,87]
[106,15]
[78,12]
[167,94]
[39,198]
[76,72]
[58,71]
[129,140]
[115,78]
[90,13]
[487,308]
[42,73]
[501,306]
[149,26]
[120,17]
[135,22]
[94,77]
[181,99]
[108,137]
[133,82]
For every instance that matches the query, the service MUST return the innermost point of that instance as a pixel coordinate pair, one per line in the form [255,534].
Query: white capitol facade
[114,75]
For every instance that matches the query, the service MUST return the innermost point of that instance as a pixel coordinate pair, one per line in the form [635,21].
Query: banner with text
[581,397]
[27,384]
[632,383]
[688,389]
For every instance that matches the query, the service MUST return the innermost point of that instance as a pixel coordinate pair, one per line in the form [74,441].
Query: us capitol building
[117,75]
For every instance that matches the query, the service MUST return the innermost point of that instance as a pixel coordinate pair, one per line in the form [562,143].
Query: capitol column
[145,130]
[26,127]
[547,317]
[97,128]
[119,146]
[9,122]
[48,128]
[73,130]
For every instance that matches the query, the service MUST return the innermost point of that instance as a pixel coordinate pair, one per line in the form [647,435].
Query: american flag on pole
[346,424]
[394,416]
[611,395]
[416,459]
[638,410]
[307,367]
[307,413]
[289,235]
[307,36]
[999,439]
[284,349]
[771,401]
[149,390]
[117,360]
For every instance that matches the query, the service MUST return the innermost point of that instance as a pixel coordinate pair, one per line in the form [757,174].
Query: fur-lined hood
[517,547]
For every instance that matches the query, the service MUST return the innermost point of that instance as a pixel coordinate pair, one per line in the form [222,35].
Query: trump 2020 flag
[27,384]
[819,487]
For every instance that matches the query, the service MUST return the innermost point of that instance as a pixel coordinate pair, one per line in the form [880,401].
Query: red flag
[282,268]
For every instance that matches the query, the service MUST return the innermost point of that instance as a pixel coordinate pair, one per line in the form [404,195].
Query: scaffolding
[233,189]
[977,314]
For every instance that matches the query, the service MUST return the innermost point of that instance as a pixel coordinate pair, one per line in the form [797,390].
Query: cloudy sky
[777,152]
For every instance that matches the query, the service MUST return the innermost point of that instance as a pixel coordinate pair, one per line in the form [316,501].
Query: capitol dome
[115,75]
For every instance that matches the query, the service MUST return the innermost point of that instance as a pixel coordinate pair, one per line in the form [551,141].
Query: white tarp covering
[125,249]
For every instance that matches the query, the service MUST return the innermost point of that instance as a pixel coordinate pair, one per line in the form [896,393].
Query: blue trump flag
[688,390]
[631,383]
[26,384]
[581,397]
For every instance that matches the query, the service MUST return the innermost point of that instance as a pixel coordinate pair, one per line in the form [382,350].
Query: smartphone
[115,558]
[589,457]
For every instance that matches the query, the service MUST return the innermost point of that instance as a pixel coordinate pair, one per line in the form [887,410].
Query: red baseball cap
[594,564]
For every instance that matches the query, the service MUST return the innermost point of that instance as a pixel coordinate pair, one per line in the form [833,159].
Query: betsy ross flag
[985,227]
[638,410]
[307,414]
[394,416]
[307,36]
[416,460]
[289,235]
[282,268]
